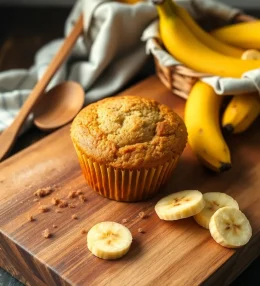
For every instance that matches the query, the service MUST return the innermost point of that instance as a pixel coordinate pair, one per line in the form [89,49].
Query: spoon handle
[7,138]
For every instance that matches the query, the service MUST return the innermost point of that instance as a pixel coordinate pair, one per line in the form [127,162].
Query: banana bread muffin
[128,146]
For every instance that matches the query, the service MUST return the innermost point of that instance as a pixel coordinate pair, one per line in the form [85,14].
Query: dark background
[23,30]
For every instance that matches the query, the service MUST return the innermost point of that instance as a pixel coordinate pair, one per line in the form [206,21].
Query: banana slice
[230,228]
[109,240]
[180,205]
[213,202]
[251,55]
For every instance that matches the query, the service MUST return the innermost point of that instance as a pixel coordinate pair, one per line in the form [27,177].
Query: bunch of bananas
[221,53]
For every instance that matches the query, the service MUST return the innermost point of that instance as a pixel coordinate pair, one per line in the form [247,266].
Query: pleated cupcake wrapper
[124,185]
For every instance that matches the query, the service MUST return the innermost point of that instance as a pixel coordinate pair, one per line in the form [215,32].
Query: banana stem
[158,2]
[164,8]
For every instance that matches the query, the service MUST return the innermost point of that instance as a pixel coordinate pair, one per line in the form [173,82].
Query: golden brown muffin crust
[129,132]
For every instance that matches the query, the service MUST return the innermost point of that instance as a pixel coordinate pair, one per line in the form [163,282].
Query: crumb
[62,204]
[140,230]
[55,201]
[44,209]
[142,215]
[82,198]
[72,195]
[46,233]
[43,192]
[83,231]
[79,192]
[30,218]
[58,211]
[72,206]
[54,226]
[74,216]
[35,200]
[124,220]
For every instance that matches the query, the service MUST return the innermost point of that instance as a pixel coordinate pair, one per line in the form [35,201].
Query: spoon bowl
[59,106]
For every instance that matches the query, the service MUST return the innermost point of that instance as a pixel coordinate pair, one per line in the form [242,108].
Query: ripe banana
[109,240]
[204,134]
[230,227]
[203,36]
[241,112]
[185,47]
[180,205]
[242,35]
[243,109]
[213,202]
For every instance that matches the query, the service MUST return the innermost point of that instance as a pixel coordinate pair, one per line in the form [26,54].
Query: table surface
[22,33]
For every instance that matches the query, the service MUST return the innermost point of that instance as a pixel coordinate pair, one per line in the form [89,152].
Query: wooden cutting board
[167,253]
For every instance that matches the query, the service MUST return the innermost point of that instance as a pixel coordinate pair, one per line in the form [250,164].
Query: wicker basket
[180,79]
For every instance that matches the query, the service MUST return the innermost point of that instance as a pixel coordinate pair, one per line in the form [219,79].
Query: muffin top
[129,132]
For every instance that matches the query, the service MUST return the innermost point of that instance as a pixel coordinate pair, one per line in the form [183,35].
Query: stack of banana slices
[226,52]
[215,211]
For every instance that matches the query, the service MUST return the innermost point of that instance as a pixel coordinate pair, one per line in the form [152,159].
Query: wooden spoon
[59,106]
[9,135]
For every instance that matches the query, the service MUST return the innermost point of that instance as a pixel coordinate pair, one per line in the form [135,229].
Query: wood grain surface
[167,253]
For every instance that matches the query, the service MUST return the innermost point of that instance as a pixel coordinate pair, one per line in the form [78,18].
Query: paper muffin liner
[123,184]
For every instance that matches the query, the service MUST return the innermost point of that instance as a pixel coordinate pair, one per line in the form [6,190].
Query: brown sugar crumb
[72,206]
[74,216]
[46,233]
[43,192]
[30,218]
[83,231]
[54,226]
[140,230]
[72,195]
[58,211]
[62,204]
[124,220]
[44,209]
[79,192]
[82,198]
[142,215]
[55,201]
[35,200]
